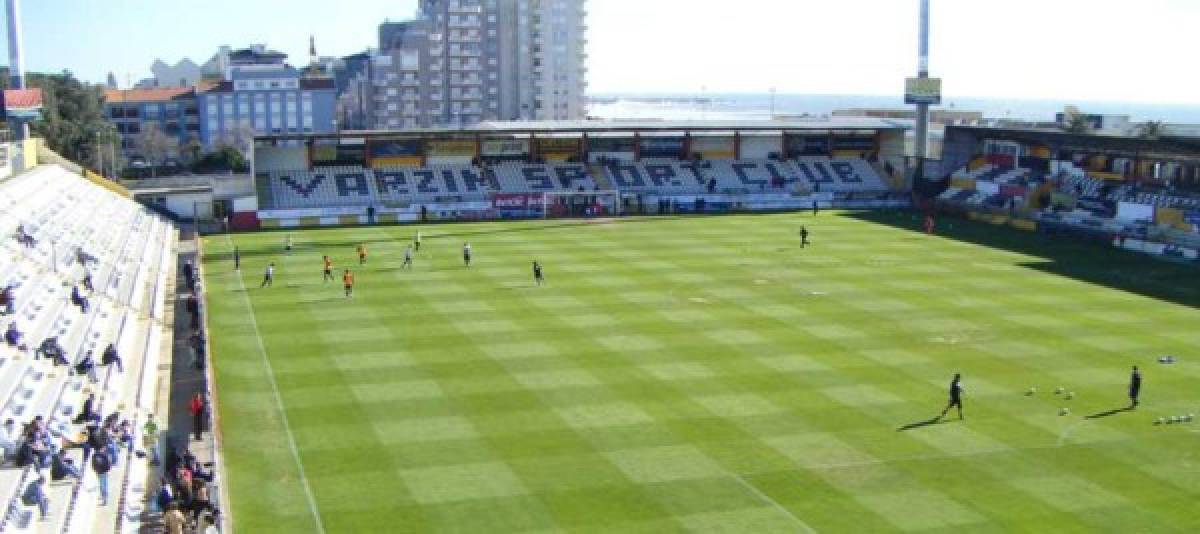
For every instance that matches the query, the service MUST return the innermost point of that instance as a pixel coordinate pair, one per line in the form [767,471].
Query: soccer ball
[1070,395]
[1058,391]
[1063,411]
[1159,421]
[1030,392]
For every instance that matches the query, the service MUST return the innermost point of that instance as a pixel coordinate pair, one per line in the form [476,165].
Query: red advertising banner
[516,201]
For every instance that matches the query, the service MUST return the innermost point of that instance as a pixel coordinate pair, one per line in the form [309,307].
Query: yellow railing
[107,184]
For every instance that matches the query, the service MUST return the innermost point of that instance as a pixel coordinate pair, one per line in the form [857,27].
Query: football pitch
[704,375]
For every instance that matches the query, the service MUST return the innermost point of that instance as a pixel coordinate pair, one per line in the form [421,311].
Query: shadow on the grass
[1109,413]
[921,424]
[1091,262]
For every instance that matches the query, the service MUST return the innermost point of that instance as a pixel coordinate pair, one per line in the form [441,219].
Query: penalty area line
[287,427]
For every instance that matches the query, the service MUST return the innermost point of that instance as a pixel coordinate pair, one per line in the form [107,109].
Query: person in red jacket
[197,410]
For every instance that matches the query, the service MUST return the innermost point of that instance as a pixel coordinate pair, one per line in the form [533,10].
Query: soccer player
[287,244]
[268,276]
[1135,387]
[237,259]
[467,254]
[362,253]
[417,241]
[328,269]
[537,274]
[348,282]
[816,208]
[956,390]
[803,237]
[408,253]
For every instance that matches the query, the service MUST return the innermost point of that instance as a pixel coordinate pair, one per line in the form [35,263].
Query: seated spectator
[62,467]
[41,452]
[12,336]
[7,300]
[87,366]
[78,299]
[110,357]
[52,350]
[87,281]
[8,441]
[88,411]
[35,495]
[84,258]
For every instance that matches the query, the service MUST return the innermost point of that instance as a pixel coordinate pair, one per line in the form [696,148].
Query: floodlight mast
[922,144]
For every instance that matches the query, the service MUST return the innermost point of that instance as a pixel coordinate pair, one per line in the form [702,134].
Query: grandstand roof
[156,94]
[660,127]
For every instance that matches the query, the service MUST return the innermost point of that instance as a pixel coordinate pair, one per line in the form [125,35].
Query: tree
[1076,122]
[224,158]
[1150,130]
[192,150]
[155,146]
[240,138]
[72,114]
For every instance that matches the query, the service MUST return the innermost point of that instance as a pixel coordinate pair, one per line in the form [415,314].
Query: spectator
[189,274]
[193,308]
[200,499]
[174,521]
[7,300]
[87,366]
[150,438]
[110,357]
[35,494]
[210,524]
[41,450]
[84,258]
[8,440]
[87,281]
[12,336]
[196,408]
[165,495]
[51,350]
[197,344]
[88,411]
[101,464]
[62,467]
[78,299]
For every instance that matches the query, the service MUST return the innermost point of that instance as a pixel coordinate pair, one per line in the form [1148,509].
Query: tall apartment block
[460,62]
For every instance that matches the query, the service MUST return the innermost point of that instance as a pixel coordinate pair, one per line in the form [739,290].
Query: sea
[759,106]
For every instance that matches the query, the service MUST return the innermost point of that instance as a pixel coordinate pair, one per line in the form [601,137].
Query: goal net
[580,204]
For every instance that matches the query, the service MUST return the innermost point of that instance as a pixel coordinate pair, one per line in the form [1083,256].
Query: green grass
[704,374]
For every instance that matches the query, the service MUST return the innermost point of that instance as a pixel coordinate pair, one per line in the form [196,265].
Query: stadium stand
[840,175]
[535,178]
[79,230]
[335,187]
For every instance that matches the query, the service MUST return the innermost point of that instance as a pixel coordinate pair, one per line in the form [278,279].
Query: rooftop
[156,94]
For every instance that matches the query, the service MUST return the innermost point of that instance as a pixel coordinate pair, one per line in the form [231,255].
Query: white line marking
[262,350]
[777,506]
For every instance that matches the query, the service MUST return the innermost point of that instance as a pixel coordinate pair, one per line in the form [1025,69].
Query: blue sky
[1115,50]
